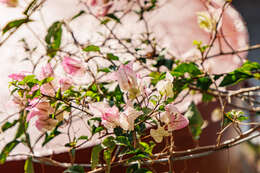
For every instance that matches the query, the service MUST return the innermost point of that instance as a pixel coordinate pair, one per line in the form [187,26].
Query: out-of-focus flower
[47,71]
[127,118]
[165,86]
[48,89]
[65,83]
[18,76]
[42,109]
[173,118]
[158,134]
[10,3]
[72,66]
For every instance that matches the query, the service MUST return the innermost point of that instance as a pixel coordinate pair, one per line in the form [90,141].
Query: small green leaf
[112,57]
[53,38]
[8,125]
[7,149]
[83,138]
[28,166]
[78,15]
[113,16]
[122,140]
[15,24]
[95,156]
[195,120]
[92,48]
[75,169]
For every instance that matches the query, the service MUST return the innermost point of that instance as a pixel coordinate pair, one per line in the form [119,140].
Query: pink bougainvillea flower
[65,83]
[18,76]
[127,118]
[48,89]
[47,71]
[42,109]
[173,118]
[10,3]
[127,80]
[109,115]
[72,66]
[93,2]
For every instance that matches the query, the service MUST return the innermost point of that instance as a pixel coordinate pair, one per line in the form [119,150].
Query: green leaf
[109,142]
[53,38]
[75,169]
[106,70]
[83,138]
[204,83]
[183,68]
[79,14]
[112,57]
[92,48]
[123,140]
[113,16]
[95,155]
[7,149]
[28,166]
[195,120]
[30,8]
[8,125]
[107,158]
[15,24]
[248,70]
[97,129]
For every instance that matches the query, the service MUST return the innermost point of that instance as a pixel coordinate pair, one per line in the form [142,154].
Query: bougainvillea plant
[126,89]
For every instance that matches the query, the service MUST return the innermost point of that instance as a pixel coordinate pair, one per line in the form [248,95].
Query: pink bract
[177,120]
[72,66]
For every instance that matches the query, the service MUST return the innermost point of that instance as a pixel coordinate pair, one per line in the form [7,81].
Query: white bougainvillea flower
[165,86]
[10,3]
[72,66]
[173,118]
[127,118]
[158,134]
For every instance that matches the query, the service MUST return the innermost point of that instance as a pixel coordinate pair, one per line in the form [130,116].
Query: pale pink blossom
[109,115]
[42,109]
[48,89]
[46,71]
[72,66]
[173,118]
[65,83]
[10,3]
[128,117]
[127,79]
